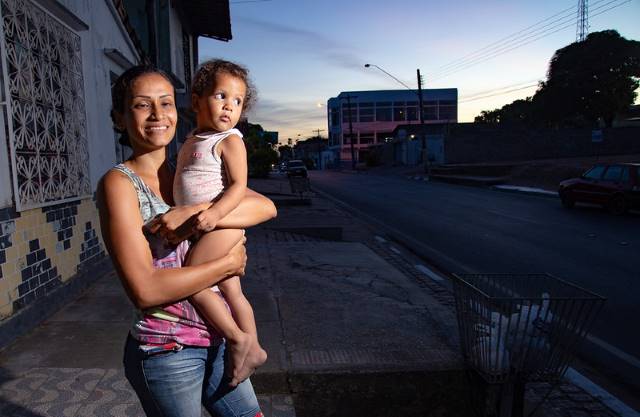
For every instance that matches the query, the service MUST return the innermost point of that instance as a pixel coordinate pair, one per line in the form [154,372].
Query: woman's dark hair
[206,75]
[119,94]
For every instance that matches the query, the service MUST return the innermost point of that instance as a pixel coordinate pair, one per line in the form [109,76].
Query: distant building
[58,61]
[311,149]
[375,114]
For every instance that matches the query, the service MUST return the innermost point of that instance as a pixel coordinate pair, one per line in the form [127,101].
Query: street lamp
[374,65]
[420,100]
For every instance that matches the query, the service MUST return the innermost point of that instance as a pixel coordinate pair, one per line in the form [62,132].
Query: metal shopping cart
[519,328]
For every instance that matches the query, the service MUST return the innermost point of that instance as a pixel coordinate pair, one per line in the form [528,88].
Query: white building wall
[105,32]
[177,53]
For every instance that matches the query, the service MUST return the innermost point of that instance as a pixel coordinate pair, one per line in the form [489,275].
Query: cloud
[290,116]
[326,49]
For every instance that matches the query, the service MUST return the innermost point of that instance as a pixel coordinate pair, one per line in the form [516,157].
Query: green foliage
[593,79]
[489,116]
[586,81]
[286,152]
[260,155]
[260,162]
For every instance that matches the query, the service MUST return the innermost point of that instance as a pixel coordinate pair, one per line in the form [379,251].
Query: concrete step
[470,180]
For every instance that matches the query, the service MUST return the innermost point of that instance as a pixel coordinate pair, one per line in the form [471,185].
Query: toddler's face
[221,107]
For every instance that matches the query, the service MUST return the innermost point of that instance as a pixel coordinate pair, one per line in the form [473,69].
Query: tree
[592,79]
[518,112]
[586,81]
[260,155]
[285,151]
[489,117]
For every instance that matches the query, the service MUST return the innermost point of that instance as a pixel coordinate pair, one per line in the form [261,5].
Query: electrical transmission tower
[582,29]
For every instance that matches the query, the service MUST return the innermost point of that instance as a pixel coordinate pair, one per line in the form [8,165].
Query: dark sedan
[296,168]
[613,186]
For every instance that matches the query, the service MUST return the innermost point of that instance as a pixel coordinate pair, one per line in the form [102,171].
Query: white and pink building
[375,114]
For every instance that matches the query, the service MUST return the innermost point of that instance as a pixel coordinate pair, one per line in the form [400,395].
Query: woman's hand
[238,256]
[176,217]
[176,224]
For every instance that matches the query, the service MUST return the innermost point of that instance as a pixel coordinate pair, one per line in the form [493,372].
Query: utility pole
[423,136]
[421,108]
[353,152]
[318,131]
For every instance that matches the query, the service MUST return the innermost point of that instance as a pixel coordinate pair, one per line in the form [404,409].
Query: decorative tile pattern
[42,248]
[6,230]
[63,218]
[47,117]
[90,249]
[39,276]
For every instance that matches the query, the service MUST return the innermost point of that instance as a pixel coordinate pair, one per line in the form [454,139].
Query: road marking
[396,250]
[429,273]
[380,239]
[445,261]
[597,391]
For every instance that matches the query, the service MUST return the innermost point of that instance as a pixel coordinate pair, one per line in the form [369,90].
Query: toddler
[212,166]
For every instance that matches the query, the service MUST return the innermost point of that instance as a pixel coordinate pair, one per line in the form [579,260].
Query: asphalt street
[482,230]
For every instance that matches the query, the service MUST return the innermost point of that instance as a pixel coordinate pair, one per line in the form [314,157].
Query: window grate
[45,106]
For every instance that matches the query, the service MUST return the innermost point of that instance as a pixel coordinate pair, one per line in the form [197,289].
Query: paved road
[482,230]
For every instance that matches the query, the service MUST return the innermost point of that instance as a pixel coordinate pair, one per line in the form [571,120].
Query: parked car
[296,168]
[614,186]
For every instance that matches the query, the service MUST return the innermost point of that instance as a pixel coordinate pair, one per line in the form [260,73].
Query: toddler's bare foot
[255,358]
[237,351]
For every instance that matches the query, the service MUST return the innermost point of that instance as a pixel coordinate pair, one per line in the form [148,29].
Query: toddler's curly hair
[206,75]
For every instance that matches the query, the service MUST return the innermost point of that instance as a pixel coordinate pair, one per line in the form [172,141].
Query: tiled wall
[42,248]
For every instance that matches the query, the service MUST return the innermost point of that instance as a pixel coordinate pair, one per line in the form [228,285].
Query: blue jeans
[177,383]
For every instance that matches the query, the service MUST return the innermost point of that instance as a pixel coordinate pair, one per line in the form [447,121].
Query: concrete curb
[525,190]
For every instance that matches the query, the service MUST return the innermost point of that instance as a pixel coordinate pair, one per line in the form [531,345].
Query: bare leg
[243,314]
[213,245]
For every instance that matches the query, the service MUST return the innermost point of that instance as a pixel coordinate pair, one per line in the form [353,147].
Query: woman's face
[150,114]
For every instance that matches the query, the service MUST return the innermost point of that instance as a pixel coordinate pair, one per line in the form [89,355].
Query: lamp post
[423,140]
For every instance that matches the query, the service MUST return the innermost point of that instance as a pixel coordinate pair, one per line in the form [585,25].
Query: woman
[172,359]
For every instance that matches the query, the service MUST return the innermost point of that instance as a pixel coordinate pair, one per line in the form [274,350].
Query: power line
[506,38]
[497,94]
[560,24]
[493,90]
[527,40]
[514,38]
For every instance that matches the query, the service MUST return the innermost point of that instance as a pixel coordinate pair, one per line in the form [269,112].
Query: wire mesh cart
[519,328]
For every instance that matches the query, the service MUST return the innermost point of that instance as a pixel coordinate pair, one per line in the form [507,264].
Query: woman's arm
[253,209]
[122,231]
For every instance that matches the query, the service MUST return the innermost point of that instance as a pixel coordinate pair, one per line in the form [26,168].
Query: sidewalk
[351,328]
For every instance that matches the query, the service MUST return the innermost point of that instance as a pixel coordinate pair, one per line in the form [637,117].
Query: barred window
[45,109]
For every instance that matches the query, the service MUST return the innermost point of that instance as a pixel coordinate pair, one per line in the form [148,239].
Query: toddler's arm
[234,157]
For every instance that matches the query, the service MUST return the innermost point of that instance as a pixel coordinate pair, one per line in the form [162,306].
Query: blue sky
[300,53]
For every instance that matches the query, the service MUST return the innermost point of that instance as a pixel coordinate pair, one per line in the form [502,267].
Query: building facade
[368,118]
[58,60]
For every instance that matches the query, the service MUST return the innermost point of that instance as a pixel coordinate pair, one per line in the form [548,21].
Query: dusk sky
[301,53]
